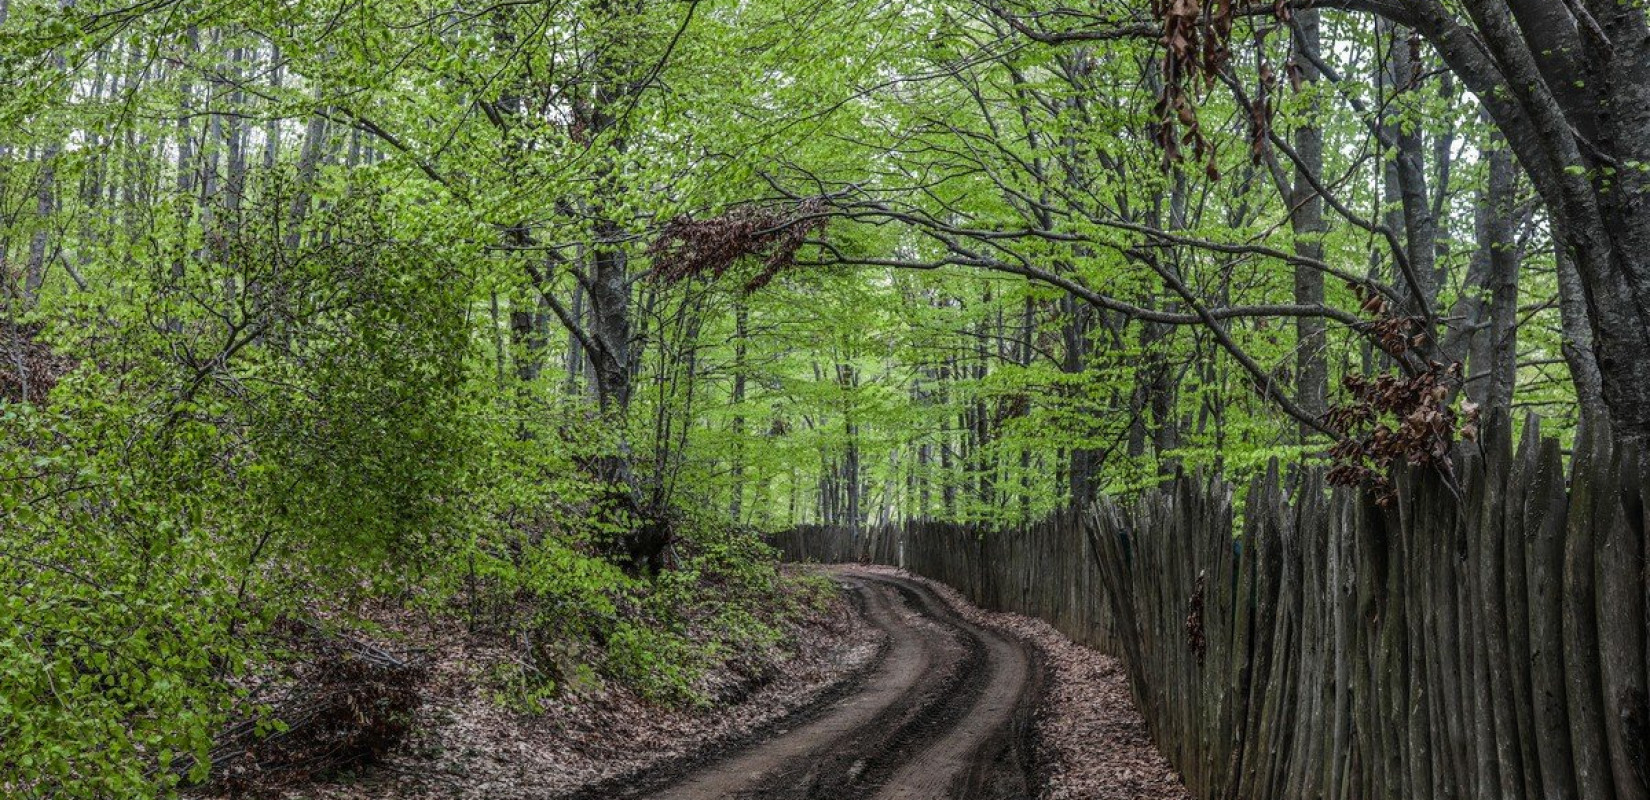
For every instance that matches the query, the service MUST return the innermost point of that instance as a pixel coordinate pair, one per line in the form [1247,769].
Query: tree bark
[1500,238]
[1407,176]
[741,323]
[34,271]
[1578,336]
[1084,464]
[1306,219]
[1600,211]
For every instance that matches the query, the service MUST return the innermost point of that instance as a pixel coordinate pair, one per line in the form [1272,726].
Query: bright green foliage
[117,616]
[326,285]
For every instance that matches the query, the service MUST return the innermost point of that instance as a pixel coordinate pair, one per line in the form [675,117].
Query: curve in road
[944,714]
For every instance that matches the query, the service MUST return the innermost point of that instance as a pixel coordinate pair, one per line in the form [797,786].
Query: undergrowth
[149,545]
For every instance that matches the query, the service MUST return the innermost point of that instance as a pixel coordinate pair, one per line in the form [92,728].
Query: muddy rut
[943,714]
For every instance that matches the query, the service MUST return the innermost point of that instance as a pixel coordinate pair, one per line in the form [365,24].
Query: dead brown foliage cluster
[689,248]
[1393,419]
[28,367]
[1195,44]
[1390,420]
[1395,333]
[1197,49]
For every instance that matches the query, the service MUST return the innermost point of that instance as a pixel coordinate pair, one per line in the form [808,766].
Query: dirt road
[944,714]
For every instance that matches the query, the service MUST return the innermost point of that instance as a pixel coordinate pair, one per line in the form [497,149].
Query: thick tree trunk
[1581,139]
[1618,275]
[610,315]
[529,334]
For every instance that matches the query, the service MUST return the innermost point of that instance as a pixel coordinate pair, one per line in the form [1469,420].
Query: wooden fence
[1044,571]
[1482,640]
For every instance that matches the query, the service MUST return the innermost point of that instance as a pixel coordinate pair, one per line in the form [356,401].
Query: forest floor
[899,689]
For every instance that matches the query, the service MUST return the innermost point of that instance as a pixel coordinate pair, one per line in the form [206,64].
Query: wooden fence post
[1487,637]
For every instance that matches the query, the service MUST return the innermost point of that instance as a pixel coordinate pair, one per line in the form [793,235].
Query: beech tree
[537,310]
[1565,82]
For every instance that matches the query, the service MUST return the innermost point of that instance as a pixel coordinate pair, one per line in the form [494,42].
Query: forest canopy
[563,301]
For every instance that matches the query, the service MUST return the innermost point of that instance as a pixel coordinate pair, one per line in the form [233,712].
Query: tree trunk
[1574,134]
[1498,236]
[34,271]
[575,350]
[610,313]
[309,161]
[1085,462]
[1407,178]
[1306,219]
[741,320]
[1578,336]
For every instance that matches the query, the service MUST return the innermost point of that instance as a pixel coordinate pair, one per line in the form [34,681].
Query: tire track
[946,713]
[988,752]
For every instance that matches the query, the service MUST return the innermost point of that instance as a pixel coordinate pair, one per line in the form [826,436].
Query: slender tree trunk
[1498,246]
[309,161]
[1028,331]
[948,461]
[211,144]
[34,271]
[272,129]
[741,321]
[1578,336]
[235,181]
[1084,464]
[1306,219]
[576,363]
[185,170]
[1406,174]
